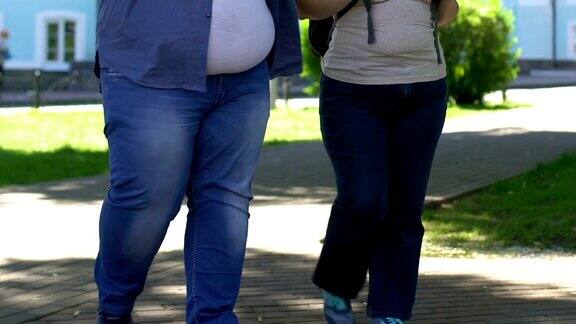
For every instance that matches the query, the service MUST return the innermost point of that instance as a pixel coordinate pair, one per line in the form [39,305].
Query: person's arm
[320,9]
[447,12]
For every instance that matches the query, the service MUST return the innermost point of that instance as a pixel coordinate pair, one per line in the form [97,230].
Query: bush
[479,51]
[312,68]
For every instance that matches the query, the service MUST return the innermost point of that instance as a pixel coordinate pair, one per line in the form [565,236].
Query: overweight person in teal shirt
[186,102]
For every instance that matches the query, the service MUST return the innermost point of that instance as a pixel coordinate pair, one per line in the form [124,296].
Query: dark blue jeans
[381,140]
[165,144]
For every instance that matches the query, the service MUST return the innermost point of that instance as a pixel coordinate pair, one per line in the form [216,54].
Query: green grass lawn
[39,146]
[287,125]
[455,111]
[534,212]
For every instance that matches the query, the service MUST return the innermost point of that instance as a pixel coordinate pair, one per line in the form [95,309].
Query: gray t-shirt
[404,50]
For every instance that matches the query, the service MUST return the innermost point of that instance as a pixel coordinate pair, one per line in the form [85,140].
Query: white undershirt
[241,35]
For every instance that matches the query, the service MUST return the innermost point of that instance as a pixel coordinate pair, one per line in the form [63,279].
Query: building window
[52,49]
[69,41]
[61,40]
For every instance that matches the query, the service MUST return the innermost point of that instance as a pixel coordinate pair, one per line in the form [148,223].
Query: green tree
[480,53]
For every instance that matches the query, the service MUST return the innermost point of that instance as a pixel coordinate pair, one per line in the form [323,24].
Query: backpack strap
[348,7]
[434,8]
[339,15]
[371,37]
[368,5]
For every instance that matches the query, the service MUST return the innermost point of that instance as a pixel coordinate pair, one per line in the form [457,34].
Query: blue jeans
[381,140]
[165,144]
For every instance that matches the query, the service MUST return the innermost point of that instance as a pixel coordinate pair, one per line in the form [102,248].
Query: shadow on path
[276,289]
[301,173]
[33,167]
[465,161]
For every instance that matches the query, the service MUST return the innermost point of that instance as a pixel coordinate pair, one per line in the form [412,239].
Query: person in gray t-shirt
[382,108]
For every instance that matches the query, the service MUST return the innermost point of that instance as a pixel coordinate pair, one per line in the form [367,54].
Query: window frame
[61,18]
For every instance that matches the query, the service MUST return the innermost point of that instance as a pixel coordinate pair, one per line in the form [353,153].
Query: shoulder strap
[434,8]
[371,37]
[368,5]
[346,9]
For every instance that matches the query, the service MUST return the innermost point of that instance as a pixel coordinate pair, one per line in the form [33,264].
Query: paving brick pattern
[276,289]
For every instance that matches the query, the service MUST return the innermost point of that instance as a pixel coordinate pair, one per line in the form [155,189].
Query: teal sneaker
[337,310]
[386,320]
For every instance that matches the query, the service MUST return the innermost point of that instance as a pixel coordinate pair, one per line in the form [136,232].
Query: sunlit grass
[532,212]
[288,125]
[46,145]
[38,146]
[455,110]
[41,131]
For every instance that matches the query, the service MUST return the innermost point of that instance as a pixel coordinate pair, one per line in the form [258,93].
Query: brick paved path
[474,152]
[276,289]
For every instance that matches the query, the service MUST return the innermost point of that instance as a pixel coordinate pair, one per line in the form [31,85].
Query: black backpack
[320,31]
